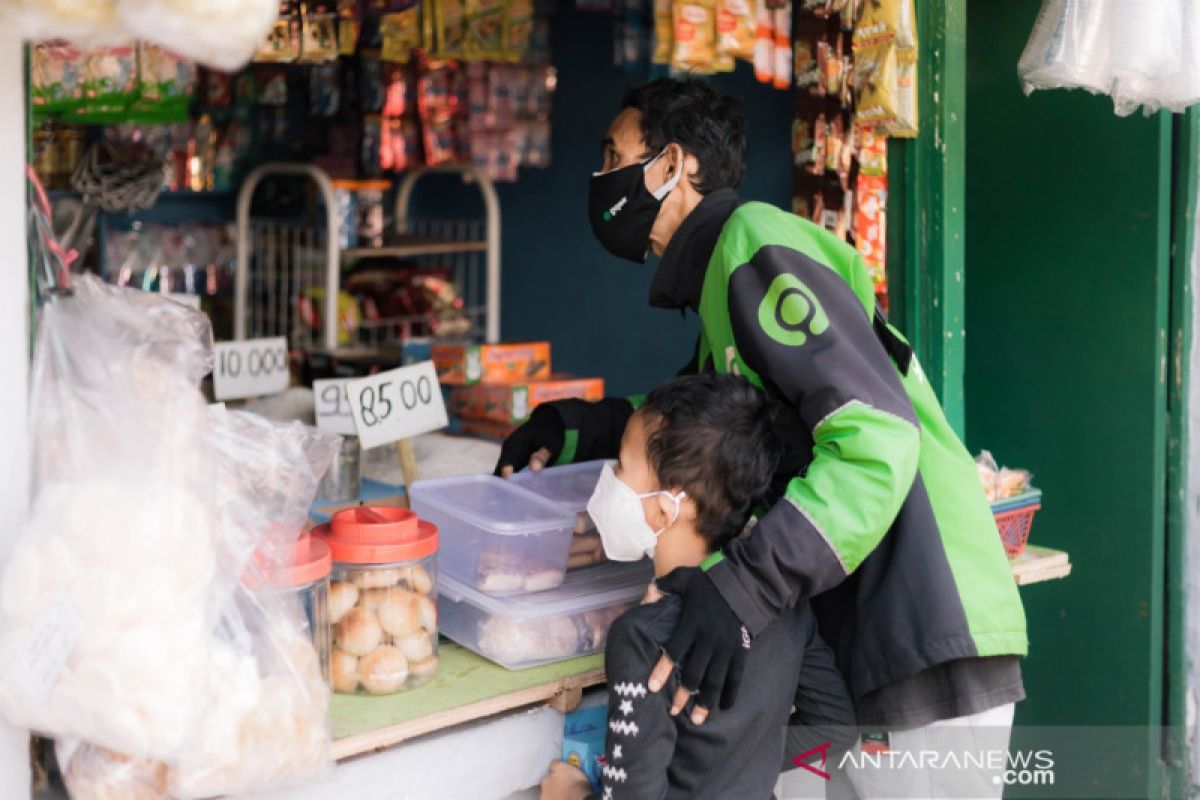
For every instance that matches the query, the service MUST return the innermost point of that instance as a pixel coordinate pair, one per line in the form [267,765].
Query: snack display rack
[281,260]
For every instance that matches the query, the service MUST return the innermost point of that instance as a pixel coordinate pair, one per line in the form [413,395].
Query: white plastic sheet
[1144,53]
[125,617]
[219,33]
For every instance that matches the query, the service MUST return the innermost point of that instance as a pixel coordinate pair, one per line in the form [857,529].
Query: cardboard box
[486,428]
[514,402]
[465,364]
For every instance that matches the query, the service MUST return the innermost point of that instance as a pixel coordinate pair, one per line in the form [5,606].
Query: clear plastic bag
[1070,47]
[220,33]
[125,617]
[1001,483]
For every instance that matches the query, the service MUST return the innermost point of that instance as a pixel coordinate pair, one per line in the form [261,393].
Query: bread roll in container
[382,599]
[300,580]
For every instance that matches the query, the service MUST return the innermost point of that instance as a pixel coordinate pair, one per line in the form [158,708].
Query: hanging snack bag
[349,23]
[664,40]
[282,43]
[782,50]
[56,76]
[764,43]
[695,26]
[518,29]
[735,29]
[401,34]
[450,28]
[318,33]
[807,71]
[485,29]
[165,84]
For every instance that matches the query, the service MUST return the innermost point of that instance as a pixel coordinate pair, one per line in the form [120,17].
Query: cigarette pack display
[382,599]
[514,402]
[496,537]
[531,629]
[461,364]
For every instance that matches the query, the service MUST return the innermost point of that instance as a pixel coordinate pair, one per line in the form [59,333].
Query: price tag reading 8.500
[396,404]
[333,406]
[250,368]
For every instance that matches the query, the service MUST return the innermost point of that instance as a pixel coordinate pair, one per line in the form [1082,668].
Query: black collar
[680,276]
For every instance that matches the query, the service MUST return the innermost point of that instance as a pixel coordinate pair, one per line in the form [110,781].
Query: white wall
[14,349]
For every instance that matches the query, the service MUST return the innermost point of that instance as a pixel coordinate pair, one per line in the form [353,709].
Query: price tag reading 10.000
[250,368]
[396,404]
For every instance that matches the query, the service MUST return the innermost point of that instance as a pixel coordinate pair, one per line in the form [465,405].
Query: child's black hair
[712,436]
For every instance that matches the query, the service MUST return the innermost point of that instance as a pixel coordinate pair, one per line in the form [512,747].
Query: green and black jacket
[882,518]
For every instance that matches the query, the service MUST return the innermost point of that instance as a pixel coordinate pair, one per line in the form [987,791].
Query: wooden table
[467,687]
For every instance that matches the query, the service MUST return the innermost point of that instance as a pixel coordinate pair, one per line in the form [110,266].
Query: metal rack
[280,261]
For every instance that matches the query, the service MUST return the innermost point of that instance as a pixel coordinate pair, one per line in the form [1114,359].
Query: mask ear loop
[677,498]
[671,182]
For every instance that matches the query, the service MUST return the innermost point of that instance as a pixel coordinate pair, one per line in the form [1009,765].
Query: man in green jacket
[880,520]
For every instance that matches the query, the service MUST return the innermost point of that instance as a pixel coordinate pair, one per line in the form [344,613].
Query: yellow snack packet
[735,28]
[695,27]
[664,36]
[401,34]
[518,28]
[450,28]
[485,29]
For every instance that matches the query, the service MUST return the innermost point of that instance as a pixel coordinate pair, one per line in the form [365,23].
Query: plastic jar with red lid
[382,599]
[297,576]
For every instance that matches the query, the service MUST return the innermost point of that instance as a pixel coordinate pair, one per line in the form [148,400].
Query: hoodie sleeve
[801,328]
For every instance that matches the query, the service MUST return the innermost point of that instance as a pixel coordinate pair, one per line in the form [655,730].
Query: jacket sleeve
[801,328]
[592,430]
[640,740]
[823,712]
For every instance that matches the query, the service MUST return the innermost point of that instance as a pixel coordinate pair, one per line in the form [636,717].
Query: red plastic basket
[1014,518]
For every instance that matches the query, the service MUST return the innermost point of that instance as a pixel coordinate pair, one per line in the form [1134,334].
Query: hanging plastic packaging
[1070,47]
[124,621]
[217,33]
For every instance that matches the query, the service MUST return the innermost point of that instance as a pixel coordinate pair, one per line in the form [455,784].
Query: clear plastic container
[572,486]
[499,538]
[532,629]
[298,580]
[383,612]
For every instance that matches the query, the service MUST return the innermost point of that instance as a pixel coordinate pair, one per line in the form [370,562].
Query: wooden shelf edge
[369,742]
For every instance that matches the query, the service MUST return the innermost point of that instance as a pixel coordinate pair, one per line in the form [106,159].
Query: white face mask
[617,511]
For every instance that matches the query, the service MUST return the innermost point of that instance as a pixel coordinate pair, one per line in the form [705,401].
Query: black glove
[544,429]
[710,643]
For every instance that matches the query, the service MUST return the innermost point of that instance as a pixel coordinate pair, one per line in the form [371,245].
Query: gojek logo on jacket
[790,313]
[616,209]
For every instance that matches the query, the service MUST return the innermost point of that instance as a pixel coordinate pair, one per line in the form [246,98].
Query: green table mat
[463,678]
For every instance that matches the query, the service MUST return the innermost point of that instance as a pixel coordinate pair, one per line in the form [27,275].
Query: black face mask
[622,210]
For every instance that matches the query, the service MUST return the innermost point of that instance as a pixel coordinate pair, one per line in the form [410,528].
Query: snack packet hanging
[735,29]
[485,29]
[400,33]
[349,23]
[318,33]
[518,29]
[450,28]
[55,76]
[664,33]
[764,43]
[782,56]
[695,33]
[282,43]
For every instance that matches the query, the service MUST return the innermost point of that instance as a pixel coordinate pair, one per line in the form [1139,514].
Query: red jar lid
[402,537]
[374,524]
[305,561]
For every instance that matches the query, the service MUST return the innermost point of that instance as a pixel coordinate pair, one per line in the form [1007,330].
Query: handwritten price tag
[250,368]
[396,404]
[333,407]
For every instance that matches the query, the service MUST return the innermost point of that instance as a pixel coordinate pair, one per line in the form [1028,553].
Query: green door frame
[926,207]
[1184,165]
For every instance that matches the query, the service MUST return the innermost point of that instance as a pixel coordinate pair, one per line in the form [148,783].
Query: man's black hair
[712,436]
[705,122]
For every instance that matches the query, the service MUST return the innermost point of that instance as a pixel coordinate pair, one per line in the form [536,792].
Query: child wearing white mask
[695,460]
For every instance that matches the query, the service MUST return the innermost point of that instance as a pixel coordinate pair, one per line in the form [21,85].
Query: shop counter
[467,687]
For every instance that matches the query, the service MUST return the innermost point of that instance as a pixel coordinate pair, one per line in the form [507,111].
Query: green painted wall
[1068,213]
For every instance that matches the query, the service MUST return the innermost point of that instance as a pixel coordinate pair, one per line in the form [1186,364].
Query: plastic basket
[1014,518]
